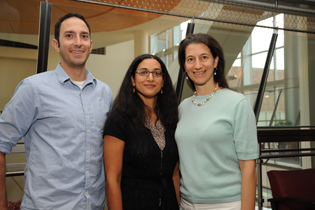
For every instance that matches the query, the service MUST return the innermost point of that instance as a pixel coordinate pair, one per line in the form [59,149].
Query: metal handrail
[14,173]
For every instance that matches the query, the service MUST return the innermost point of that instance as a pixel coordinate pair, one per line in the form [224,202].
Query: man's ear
[55,45]
[91,46]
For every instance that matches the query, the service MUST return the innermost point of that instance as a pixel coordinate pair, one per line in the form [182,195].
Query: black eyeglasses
[146,73]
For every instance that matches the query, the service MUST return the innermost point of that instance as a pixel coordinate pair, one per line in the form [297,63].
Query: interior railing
[281,134]
[19,148]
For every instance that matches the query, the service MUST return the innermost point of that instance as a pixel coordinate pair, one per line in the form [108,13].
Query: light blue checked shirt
[62,127]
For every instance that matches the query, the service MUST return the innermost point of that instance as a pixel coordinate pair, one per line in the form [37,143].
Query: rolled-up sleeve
[17,116]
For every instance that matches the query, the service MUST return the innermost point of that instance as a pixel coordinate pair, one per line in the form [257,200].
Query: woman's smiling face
[199,64]
[148,86]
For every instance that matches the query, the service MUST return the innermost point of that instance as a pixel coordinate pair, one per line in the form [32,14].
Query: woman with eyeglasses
[140,152]
[216,133]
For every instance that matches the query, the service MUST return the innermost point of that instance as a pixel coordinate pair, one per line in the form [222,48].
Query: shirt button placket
[87,155]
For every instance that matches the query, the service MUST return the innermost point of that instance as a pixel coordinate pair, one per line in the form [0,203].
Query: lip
[77,52]
[200,73]
[150,86]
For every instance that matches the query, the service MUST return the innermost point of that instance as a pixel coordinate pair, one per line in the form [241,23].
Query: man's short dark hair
[69,15]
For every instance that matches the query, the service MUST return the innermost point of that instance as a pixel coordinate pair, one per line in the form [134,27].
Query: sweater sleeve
[116,126]
[245,131]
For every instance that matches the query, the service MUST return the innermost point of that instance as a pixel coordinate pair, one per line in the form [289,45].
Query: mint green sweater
[211,139]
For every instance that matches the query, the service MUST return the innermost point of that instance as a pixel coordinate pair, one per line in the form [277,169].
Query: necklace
[207,99]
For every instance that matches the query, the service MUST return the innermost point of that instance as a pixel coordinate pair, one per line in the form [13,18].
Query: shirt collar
[64,77]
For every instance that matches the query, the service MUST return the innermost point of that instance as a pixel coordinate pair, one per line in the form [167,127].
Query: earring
[215,71]
[133,89]
[162,91]
[186,76]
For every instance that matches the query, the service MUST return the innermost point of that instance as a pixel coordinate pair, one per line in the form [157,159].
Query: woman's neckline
[210,93]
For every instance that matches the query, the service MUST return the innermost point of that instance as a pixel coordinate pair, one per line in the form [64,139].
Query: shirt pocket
[98,115]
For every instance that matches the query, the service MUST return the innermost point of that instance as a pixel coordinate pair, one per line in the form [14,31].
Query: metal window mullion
[181,75]
[257,107]
[44,35]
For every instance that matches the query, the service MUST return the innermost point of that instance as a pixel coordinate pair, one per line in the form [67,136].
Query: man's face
[75,43]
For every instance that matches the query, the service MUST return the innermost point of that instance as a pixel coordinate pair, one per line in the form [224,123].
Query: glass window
[18,45]
[165,45]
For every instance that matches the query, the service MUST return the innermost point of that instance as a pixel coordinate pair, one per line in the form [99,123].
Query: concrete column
[303,57]
[304,91]
[311,79]
[291,76]
[141,42]
[297,75]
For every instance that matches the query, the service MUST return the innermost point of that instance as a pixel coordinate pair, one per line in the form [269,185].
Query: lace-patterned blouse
[157,131]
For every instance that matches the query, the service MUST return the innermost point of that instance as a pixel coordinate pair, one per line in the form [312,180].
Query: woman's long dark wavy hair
[215,49]
[130,104]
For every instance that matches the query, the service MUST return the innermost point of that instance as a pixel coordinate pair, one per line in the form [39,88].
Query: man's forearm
[3,195]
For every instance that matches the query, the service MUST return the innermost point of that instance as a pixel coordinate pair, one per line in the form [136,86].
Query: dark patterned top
[147,170]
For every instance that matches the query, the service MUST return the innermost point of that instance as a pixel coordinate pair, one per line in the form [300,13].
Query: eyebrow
[199,55]
[69,32]
[148,69]
[74,32]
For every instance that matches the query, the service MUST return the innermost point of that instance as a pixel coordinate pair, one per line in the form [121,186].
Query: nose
[198,64]
[78,41]
[150,76]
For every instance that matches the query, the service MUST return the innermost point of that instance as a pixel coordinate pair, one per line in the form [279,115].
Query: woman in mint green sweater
[216,133]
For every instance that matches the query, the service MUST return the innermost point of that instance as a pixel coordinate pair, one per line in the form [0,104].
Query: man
[61,115]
